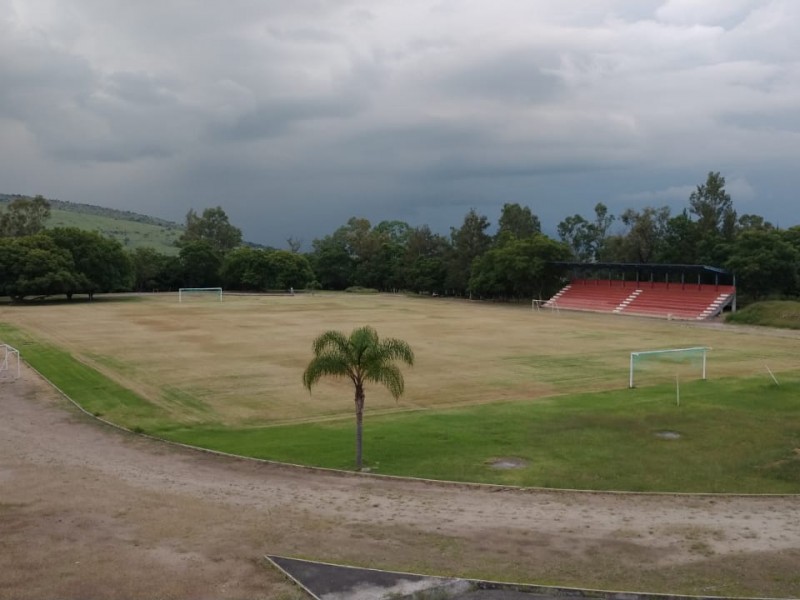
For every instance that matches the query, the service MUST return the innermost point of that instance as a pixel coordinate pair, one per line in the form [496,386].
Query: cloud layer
[297,114]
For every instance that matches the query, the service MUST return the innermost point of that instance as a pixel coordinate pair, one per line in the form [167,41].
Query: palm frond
[390,377]
[330,340]
[327,364]
[395,349]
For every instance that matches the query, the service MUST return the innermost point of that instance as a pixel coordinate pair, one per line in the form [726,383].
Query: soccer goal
[200,293]
[9,363]
[658,366]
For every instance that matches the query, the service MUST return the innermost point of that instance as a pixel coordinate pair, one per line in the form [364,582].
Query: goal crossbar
[696,350]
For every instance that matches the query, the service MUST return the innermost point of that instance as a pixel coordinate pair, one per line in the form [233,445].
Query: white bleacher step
[713,308]
[624,304]
[558,295]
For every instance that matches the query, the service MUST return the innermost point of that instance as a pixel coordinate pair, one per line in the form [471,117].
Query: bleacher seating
[658,299]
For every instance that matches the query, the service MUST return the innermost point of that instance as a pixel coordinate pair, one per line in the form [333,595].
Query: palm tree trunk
[359,420]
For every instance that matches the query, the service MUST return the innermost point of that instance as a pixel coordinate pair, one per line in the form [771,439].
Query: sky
[295,115]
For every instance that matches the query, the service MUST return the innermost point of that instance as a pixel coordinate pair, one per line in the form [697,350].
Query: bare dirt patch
[89,512]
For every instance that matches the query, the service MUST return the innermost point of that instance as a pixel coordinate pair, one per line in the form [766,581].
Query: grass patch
[735,436]
[777,313]
[95,392]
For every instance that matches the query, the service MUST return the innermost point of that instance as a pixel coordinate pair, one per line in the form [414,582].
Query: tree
[35,266]
[520,268]
[334,267]
[645,237]
[245,268]
[587,239]
[713,207]
[149,269]
[469,242]
[24,216]
[764,263]
[101,264]
[681,241]
[286,270]
[361,358]
[517,222]
[200,264]
[213,228]
[425,261]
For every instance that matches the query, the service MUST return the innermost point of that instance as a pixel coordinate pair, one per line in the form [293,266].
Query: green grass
[777,313]
[131,234]
[92,390]
[737,435]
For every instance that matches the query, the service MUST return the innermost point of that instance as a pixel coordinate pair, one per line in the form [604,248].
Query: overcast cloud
[294,115]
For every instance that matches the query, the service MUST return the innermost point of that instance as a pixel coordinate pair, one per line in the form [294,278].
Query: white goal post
[194,292]
[669,358]
[9,362]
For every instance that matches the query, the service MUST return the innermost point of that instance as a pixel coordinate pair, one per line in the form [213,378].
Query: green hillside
[133,230]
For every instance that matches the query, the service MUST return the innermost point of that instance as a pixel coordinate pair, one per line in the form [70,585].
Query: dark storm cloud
[295,115]
[276,117]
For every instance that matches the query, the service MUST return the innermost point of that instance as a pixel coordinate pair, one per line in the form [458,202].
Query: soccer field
[239,362]
[491,383]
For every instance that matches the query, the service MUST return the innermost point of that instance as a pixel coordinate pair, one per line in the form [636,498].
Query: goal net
[204,293]
[660,366]
[9,363]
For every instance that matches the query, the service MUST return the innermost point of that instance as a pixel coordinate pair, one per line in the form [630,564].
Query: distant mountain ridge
[92,209]
[131,229]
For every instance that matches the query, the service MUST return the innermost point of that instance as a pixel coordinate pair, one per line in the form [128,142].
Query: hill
[775,313]
[133,230]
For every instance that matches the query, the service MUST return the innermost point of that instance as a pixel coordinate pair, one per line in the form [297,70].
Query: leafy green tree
[361,358]
[333,264]
[200,264]
[24,216]
[574,231]
[101,263]
[286,270]
[586,238]
[212,227]
[468,243]
[517,222]
[391,239]
[520,268]
[424,263]
[680,242]
[245,268]
[35,266]
[764,263]
[149,269]
[713,207]
[750,222]
[644,239]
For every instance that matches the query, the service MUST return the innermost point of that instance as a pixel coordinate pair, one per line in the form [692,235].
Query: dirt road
[90,512]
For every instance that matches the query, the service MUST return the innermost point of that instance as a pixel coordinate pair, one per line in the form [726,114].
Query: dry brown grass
[240,361]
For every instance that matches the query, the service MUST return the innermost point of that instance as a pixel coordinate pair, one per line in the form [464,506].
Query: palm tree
[362,357]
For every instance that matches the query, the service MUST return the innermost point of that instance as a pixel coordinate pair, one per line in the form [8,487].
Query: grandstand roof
[649,267]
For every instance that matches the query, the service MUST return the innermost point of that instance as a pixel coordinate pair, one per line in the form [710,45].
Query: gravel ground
[87,511]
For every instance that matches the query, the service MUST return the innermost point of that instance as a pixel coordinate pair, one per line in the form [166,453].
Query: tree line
[516,261]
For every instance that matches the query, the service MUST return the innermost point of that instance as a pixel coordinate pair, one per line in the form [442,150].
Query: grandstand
[693,292]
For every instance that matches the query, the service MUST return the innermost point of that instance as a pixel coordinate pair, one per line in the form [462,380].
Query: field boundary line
[491,487]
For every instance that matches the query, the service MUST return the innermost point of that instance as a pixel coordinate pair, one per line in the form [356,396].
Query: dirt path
[90,512]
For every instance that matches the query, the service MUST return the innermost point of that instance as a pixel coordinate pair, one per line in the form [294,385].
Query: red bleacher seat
[668,300]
